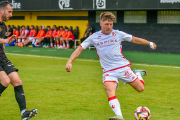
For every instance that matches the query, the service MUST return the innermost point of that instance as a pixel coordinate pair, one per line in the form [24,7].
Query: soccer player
[9,32]
[24,34]
[8,73]
[61,33]
[47,37]
[115,66]
[68,35]
[54,37]
[40,36]
[16,33]
[31,38]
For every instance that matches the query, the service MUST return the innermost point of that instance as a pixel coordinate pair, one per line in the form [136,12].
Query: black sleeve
[86,31]
[5,27]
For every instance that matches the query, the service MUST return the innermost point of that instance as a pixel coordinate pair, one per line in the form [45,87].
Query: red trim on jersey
[97,53]
[112,98]
[118,68]
[80,45]
[133,80]
[103,33]
[109,81]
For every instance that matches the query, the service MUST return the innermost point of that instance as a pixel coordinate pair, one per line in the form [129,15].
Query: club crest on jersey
[108,41]
[0,29]
[113,34]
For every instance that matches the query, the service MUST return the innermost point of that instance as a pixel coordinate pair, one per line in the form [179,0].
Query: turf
[80,94]
[137,57]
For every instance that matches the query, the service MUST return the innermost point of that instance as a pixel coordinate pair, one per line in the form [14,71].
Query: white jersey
[109,49]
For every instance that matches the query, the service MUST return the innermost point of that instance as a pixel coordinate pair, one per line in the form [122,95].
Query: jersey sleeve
[87,42]
[126,37]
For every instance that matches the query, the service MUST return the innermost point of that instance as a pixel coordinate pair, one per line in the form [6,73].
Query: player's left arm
[137,40]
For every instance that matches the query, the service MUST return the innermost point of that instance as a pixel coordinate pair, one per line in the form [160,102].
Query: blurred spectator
[54,37]
[61,33]
[9,32]
[31,37]
[23,35]
[67,37]
[47,38]
[17,33]
[87,33]
[40,37]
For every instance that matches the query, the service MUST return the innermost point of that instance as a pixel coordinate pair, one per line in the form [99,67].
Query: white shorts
[31,38]
[125,75]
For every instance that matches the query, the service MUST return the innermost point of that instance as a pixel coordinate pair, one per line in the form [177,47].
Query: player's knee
[141,88]
[17,83]
[6,82]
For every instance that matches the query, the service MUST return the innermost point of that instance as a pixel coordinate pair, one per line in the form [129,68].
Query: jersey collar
[106,34]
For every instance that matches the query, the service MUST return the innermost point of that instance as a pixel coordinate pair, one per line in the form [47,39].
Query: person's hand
[152,45]
[155,46]
[68,67]
[11,39]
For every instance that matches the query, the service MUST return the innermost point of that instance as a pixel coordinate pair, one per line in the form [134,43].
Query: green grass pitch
[80,95]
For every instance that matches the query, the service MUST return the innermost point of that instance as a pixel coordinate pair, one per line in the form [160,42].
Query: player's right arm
[75,54]
[7,41]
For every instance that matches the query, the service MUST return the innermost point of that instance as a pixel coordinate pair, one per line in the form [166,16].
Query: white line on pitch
[16,51]
[51,50]
[34,50]
[89,60]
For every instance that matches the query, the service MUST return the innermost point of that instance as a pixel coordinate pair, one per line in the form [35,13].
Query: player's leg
[51,41]
[67,42]
[20,96]
[110,88]
[19,40]
[39,40]
[63,42]
[138,84]
[57,41]
[110,81]
[27,41]
[4,81]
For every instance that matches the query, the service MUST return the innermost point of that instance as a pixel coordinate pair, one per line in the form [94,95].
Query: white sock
[115,105]
[23,40]
[61,46]
[140,77]
[64,45]
[51,44]
[67,45]
[23,111]
[19,40]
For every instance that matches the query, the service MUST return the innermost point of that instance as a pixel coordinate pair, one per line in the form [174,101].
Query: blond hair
[107,16]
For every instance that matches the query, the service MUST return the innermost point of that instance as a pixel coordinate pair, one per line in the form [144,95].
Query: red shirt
[25,32]
[41,33]
[68,34]
[48,34]
[33,32]
[16,32]
[55,33]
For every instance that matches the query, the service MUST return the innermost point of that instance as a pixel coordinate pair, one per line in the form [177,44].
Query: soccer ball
[142,113]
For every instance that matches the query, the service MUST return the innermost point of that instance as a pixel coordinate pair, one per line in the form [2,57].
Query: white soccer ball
[142,113]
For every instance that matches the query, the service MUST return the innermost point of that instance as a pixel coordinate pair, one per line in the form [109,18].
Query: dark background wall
[166,36]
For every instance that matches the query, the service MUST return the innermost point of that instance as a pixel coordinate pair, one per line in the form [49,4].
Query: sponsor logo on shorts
[128,74]
[105,76]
